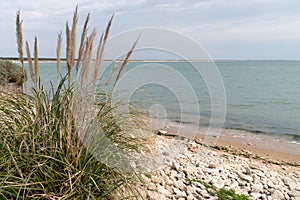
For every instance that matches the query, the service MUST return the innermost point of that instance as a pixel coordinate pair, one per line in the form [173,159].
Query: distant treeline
[14,58]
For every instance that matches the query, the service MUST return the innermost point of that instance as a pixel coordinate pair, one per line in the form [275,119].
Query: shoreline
[252,151]
[248,145]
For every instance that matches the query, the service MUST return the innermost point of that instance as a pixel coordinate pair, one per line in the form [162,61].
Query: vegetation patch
[61,144]
[10,73]
[222,194]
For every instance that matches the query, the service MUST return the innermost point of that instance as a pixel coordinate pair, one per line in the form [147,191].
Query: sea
[260,97]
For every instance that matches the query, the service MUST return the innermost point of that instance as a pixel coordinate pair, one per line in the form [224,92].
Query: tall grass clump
[62,144]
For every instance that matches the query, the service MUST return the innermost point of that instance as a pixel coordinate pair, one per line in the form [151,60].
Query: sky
[227,29]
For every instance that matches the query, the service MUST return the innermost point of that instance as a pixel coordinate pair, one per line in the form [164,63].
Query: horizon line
[158,60]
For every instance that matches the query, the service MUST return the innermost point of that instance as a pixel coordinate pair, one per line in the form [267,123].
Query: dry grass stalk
[73,37]
[69,119]
[36,60]
[82,42]
[97,61]
[71,43]
[31,72]
[20,43]
[125,62]
[100,50]
[68,47]
[87,58]
[112,72]
[107,30]
[58,52]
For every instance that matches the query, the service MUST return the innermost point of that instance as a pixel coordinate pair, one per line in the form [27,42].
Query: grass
[222,194]
[65,143]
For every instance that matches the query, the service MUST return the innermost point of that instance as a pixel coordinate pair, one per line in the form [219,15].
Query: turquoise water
[262,97]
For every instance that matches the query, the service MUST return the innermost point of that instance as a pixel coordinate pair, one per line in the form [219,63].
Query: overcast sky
[227,29]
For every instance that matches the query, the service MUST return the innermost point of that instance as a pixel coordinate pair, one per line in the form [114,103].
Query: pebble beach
[190,170]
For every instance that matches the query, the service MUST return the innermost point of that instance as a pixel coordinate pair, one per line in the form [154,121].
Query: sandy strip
[265,154]
[281,152]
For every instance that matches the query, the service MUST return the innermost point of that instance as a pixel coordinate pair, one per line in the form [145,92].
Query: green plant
[10,73]
[53,142]
[222,194]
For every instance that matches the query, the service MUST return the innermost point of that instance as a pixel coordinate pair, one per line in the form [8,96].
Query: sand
[249,145]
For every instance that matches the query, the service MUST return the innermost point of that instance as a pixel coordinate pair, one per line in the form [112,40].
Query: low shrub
[10,73]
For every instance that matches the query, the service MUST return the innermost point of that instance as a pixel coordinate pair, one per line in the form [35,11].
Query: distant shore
[16,60]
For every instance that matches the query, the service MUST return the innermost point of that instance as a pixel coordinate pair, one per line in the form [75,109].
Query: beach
[187,169]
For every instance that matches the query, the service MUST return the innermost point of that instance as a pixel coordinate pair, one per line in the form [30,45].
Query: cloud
[213,21]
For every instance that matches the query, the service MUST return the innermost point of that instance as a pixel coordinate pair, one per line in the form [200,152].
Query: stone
[210,171]
[176,190]
[277,187]
[255,195]
[298,186]
[198,140]
[257,187]
[212,166]
[227,182]
[291,185]
[169,182]
[245,177]
[277,195]
[181,198]
[242,182]
[190,190]
[151,195]
[234,185]
[254,166]
[152,186]
[173,174]
[219,185]
[176,165]
[248,171]
[270,184]
[180,185]
[189,171]
[204,194]
[190,197]
[154,179]
[264,196]
[194,148]
[167,170]
[294,193]
[162,132]
[286,196]
[198,185]
[163,191]
[259,173]
[182,194]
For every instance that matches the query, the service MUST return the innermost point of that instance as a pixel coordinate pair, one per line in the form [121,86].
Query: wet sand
[239,146]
